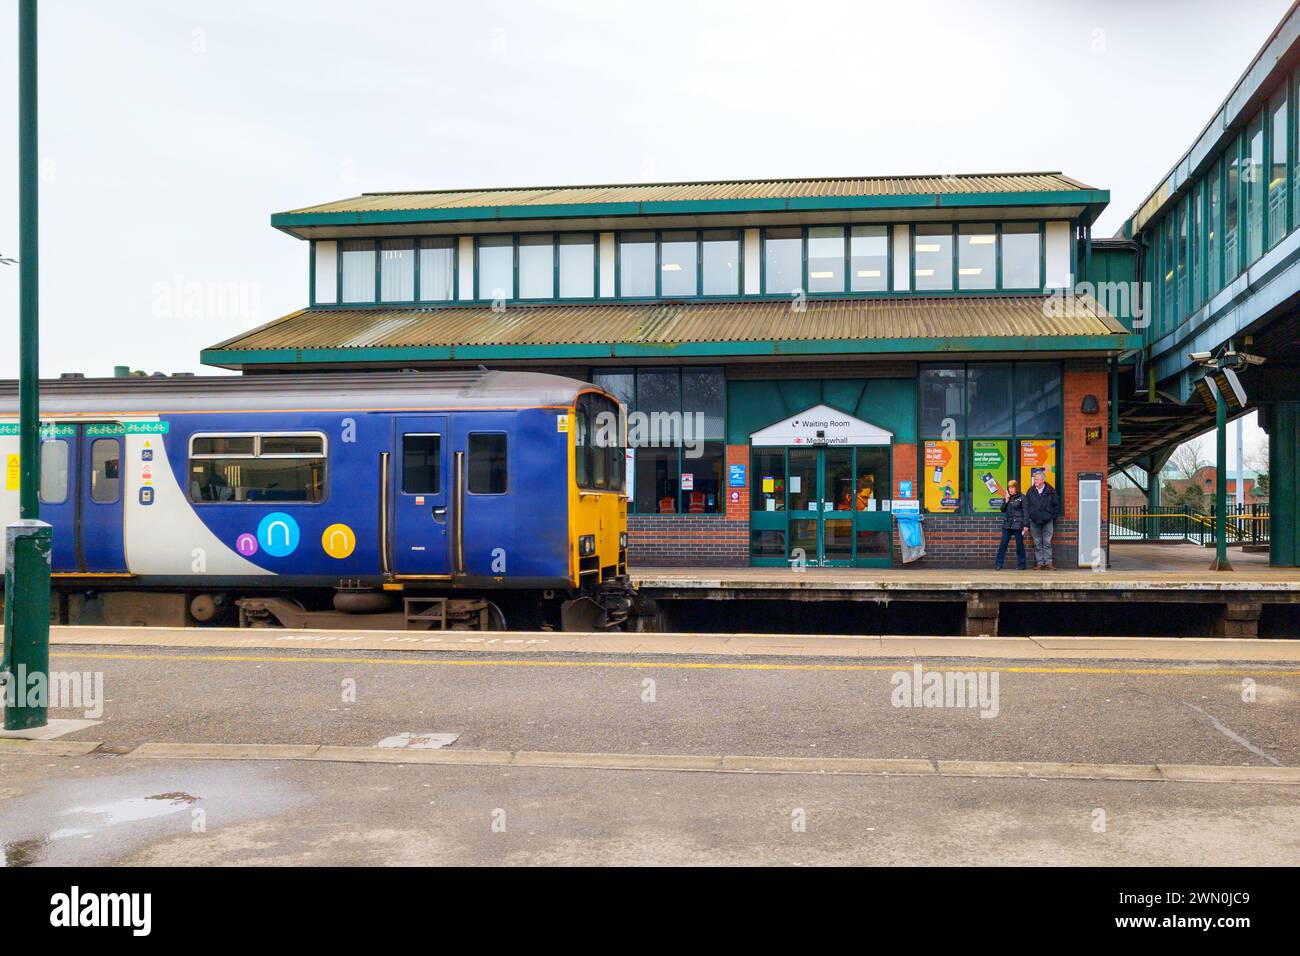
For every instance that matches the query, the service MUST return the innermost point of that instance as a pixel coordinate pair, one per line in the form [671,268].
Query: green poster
[988,461]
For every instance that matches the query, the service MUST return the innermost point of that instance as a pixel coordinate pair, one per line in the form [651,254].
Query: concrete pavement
[269,754]
[1025,649]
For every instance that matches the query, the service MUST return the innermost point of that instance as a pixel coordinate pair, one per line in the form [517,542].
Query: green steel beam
[26,657]
[1282,423]
[1220,562]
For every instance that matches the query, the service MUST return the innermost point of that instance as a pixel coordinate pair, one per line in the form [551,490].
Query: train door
[59,495]
[421,518]
[102,532]
[82,498]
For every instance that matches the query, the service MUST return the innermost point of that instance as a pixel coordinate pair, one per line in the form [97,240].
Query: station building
[821,350]
[1218,241]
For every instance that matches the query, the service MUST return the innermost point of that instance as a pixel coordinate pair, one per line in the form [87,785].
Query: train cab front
[598,517]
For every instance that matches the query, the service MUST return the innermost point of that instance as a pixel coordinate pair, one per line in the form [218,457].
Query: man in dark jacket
[1042,505]
[1013,525]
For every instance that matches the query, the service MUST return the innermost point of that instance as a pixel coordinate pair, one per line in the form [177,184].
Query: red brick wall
[738,510]
[905,469]
[704,541]
[1082,377]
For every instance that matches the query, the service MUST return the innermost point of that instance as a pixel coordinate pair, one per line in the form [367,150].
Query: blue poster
[736,476]
[905,489]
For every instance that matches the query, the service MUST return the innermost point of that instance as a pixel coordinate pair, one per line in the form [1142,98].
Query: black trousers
[1007,535]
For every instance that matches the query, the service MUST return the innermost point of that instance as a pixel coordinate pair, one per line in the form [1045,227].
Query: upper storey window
[397,270]
[869,258]
[636,264]
[821,260]
[437,269]
[977,256]
[537,267]
[577,265]
[496,267]
[826,259]
[720,261]
[782,261]
[932,257]
[357,259]
[678,264]
[1022,255]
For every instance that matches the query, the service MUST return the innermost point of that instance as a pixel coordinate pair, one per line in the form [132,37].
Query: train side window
[421,464]
[227,445]
[487,463]
[105,472]
[274,445]
[54,471]
[582,445]
[285,467]
[599,441]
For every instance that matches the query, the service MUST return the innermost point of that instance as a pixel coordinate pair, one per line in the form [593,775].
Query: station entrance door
[820,492]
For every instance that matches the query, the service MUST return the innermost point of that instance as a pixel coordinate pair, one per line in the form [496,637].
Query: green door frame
[783,520]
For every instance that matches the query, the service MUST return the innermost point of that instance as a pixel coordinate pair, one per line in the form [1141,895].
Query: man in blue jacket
[1043,505]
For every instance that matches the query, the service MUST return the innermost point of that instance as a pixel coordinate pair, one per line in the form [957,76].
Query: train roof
[449,389]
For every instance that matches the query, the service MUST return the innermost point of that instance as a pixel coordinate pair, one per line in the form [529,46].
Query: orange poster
[1038,453]
[941,476]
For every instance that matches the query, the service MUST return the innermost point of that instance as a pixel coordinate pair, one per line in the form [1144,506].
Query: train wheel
[496,618]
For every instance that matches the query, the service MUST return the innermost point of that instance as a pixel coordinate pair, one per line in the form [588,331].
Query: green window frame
[1196,245]
[495,241]
[1254,181]
[964,436]
[1181,276]
[624,382]
[1278,190]
[1214,230]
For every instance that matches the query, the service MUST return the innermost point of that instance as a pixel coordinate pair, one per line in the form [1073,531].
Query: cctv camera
[1200,356]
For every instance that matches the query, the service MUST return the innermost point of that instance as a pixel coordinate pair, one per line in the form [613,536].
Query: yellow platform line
[673,665]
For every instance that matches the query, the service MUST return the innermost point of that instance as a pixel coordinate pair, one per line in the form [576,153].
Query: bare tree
[1188,460]
[1257,461]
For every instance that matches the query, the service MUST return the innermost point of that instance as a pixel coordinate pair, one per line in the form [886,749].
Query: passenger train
[463,499]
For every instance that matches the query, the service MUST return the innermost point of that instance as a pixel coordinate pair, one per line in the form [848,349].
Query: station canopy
[932,325]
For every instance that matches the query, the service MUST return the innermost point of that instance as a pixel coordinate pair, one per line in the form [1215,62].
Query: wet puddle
[84,821]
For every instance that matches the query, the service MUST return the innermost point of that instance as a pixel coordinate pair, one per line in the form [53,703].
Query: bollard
[26,663]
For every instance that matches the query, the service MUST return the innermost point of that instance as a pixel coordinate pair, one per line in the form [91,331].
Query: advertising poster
[941,476]
[988,486]
[1038,453]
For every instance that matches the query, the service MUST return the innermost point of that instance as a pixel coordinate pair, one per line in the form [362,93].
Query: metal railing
[1245,524]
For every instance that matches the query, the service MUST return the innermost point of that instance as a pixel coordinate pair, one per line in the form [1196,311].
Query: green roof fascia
[229,358]
[1096,198]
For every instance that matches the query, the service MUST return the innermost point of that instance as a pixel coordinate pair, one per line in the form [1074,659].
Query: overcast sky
[170,131]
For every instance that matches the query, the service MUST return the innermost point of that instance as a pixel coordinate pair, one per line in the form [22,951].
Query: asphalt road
[104,808]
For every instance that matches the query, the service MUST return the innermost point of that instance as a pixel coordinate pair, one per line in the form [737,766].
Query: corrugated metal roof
[459,388]
[703,191]
[672,323]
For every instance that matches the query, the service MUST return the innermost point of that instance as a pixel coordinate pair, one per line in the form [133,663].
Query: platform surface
[1172,650]
[1140,567]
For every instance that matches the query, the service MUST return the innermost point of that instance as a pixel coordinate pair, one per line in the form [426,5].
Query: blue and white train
[452,499]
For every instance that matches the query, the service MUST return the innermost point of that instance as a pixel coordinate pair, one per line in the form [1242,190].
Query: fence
[1245,524]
